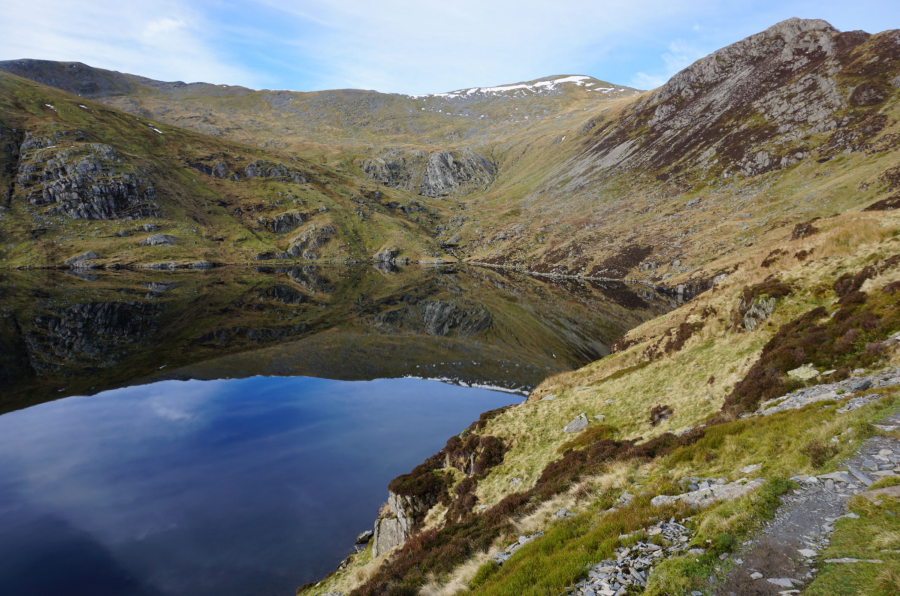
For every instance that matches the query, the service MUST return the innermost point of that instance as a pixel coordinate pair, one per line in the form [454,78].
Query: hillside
[797,122]
[699,397]
[355,118]
[82,178]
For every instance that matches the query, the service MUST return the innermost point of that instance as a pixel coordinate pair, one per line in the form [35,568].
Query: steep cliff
[396,521]
[437,174]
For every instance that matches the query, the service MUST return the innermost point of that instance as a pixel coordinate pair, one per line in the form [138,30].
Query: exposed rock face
[218,170]
[447,171]
[439,318]
[158,240]
[277,171]
[757,311]
[394,529]
[390,170]
[83,180]
[303,245]
[386,255]
[438,174]
[9,157]
[281,224]
[749,107]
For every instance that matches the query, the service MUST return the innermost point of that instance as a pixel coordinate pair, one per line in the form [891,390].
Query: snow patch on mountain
[535,87]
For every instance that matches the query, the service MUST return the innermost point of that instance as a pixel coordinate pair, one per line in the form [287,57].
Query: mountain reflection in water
[62,335]
[231,431]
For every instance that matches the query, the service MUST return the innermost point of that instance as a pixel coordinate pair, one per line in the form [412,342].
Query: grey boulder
[158,240]
[79,262]
[579,424]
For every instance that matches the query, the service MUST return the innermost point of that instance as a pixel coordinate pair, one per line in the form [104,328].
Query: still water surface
[231,432]
[249,486]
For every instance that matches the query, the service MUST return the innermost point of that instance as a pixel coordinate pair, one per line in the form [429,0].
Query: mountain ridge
[800,98]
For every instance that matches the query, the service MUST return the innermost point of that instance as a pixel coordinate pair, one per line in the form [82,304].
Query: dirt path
[783,550]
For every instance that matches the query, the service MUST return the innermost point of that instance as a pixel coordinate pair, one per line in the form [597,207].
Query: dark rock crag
[83,180]
[273,171]
[438,174]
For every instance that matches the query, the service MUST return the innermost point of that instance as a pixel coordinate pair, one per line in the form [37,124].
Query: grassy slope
[198,209]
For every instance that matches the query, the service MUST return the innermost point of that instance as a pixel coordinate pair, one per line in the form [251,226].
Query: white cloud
[165,40]
[425,47]
[644,81]
[680,56]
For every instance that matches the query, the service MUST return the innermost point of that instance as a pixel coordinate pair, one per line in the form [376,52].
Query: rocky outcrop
[305,244]
[831,391]
[82,261]
[504,555]
[447,172]
[757,311]
[438,174]
[577,425]
[385,255]
[217,170]
[282,224]
[9,157]
[396,522]
[273,171]
[83,180]
[158,240]
[393,169]
[708,493]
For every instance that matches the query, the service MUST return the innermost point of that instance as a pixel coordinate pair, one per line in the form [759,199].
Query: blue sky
[403,46]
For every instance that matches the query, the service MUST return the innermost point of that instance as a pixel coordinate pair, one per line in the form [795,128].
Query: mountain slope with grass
[796,122]
[81,178]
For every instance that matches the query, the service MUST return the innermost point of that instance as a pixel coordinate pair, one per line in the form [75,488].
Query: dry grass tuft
[458,580]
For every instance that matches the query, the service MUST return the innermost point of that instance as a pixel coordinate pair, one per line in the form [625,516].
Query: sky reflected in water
[251,486]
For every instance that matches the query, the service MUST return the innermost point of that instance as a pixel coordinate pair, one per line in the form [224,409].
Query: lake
[230,432]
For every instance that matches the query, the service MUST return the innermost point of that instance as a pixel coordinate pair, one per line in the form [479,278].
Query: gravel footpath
[783,558]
